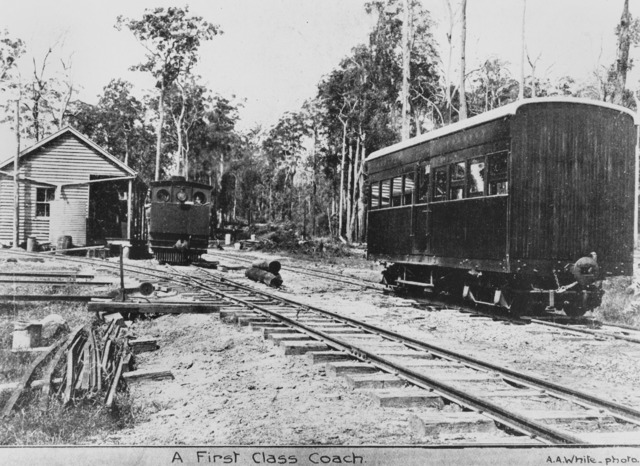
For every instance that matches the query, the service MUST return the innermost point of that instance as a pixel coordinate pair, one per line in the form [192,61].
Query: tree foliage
[172,39]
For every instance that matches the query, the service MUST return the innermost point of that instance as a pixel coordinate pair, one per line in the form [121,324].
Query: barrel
[64,242]
[32,244]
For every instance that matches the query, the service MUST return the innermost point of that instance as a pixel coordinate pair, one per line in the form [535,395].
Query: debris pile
[90,362]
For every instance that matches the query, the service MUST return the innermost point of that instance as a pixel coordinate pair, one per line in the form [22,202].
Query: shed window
[476,177]
[440,184]
[375,195]
[44,196]
[456,188]
[423,180]
[498,173]
[384,193]
[396,198]
[409,187]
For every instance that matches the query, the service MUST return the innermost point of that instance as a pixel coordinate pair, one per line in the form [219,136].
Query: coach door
[421,219]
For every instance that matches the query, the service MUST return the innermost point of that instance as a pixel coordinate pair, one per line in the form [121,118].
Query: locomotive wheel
[573,310]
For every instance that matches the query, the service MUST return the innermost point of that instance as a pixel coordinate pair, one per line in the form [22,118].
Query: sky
[273,53]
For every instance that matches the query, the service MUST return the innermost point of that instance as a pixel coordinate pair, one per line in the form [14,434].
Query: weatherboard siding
[64,160]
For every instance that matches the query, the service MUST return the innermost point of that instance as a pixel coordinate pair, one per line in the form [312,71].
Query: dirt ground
[233,387]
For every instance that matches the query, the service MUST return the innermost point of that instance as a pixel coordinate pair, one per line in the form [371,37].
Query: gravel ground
[232,387]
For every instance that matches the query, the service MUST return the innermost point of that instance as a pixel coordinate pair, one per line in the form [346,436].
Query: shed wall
[65,159]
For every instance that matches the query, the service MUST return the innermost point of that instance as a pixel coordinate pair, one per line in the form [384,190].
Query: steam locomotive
[178,215]
[526,207]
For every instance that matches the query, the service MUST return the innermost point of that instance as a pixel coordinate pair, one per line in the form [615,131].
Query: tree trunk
[406,69]
[159,132]
[522,45]
[348,193]
[447,76]
[342,168]
[361,199]
[463,46]
[622,56]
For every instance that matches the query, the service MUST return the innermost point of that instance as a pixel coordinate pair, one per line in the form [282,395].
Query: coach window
[476,177]
[424,173]
[44,196]
[384,193]
[409,188]
[456,187]
[396,198]
[498,169]
[440,184]
[375,195]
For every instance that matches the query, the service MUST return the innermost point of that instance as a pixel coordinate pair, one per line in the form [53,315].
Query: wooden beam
[53,282]
[48,373]
[24,381]
[154,308]
[116,378]
[49,297]
[98,365]
[72,358]
[46,274]
[85,248]
[148,374]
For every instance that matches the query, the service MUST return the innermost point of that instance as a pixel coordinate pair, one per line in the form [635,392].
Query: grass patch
[620,304]
[71,425]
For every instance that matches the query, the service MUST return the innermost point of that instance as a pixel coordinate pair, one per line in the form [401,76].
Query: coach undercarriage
[573,290]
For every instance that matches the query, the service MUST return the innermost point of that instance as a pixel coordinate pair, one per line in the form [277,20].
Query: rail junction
[460,393]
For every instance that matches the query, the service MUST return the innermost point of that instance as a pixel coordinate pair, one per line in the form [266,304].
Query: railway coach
[178,214]
[525,207]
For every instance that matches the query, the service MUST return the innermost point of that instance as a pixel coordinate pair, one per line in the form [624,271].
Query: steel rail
[622,412]
[586,331]
[327,275]
[515,421]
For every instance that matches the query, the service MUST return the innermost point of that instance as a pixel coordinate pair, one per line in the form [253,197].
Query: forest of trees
[308,168]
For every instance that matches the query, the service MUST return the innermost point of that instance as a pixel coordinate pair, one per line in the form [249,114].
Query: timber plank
[48,374]
[148,374]
[154,308]
[24,381]
[49,297]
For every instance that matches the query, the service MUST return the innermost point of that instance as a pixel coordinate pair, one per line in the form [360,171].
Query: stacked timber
[265,271]
[87,363]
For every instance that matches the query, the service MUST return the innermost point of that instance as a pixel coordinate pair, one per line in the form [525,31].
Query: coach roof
[509,109]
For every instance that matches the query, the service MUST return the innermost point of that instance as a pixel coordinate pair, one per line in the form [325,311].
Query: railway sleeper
[278,338]
[268,331]
[428,424]
[297,348]
[406,398]
[337,369]
[321,357]
[360,381]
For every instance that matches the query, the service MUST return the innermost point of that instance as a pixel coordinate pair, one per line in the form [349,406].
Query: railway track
[316,272]
[579,325]
[401,371]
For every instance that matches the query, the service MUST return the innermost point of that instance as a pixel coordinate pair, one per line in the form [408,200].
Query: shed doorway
[107,210]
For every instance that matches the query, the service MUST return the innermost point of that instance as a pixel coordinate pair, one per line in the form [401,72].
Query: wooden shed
[70,186]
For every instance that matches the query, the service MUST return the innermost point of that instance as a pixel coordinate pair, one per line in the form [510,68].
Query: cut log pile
[266,272]
[87,363]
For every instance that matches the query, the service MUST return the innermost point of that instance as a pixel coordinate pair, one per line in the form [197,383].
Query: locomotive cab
[178,215]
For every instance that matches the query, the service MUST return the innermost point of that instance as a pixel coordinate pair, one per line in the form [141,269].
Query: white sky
[274,52]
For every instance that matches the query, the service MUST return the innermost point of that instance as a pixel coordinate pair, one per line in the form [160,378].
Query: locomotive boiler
[178,215]
[529,206]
